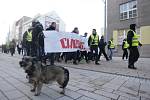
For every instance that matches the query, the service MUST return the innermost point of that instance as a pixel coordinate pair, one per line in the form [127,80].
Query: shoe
[134,68]
[107,59]
[130,66]
[75,63]
[97,63]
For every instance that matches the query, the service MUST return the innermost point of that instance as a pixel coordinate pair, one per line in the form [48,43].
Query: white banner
[64,42]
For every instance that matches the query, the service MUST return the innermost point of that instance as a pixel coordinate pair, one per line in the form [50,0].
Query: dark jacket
[130,35]
[51,28]
[37,29]
[123,45]
[102,44]
[109,44]
[24,42]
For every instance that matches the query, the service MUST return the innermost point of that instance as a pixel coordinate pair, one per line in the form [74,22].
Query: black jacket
[51,28]
[130,35]
[24,39]
[123,45]
[102,44]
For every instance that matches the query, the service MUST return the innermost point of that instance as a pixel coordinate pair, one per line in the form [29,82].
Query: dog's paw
[32,90]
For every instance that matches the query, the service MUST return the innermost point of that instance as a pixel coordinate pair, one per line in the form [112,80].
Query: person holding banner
[84,52]
[37,30]
[77,53]
[73,55]
[50,56]
[93,44]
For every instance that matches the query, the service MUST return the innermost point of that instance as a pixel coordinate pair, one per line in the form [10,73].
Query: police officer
[111,47]
[125,46]
[132,39]
[93,44]
[27,42]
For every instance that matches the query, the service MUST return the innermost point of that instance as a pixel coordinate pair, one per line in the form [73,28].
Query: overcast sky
[84,14]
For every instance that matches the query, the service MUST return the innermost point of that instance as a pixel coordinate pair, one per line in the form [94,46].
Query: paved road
[83,85]
[116,66]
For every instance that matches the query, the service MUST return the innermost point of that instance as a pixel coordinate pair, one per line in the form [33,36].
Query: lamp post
[105,19]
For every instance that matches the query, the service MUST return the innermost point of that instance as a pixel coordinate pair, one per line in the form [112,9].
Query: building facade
[46,20]
[17,27]
[23,24]
[122,13]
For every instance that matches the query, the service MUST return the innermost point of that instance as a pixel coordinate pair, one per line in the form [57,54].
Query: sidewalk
[117,66]
[83,84]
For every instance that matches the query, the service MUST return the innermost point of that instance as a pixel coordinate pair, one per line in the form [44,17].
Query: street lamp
[105,24]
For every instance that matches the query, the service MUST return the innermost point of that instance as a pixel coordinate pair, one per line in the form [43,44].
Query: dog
[40,73]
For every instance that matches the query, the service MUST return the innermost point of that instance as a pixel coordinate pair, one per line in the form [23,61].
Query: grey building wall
[144,12]
[20,24]
[113,15]
[114,22]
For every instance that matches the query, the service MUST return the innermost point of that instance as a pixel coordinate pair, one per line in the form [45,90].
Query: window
[128,10]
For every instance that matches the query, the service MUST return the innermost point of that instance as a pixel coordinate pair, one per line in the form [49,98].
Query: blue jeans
[111,50]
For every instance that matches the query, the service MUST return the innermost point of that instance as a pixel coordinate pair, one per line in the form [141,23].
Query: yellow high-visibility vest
[135,41]
[29,36]
[126,45]
[112,45]
[94,39]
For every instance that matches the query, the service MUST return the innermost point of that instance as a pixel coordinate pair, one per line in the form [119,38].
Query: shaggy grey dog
[40,73]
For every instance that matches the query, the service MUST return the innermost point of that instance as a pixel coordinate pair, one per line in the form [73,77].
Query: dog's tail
[66,78]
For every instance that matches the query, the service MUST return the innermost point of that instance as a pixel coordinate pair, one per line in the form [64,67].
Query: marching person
[132,39]
[76,54]
[52,27]
[2,48]
[37,39]
[12,47]
[111,47]
[7,47]
[19,48]
[84,52]
[27,42]
[102,45]
[125,46]
[93,44]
